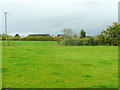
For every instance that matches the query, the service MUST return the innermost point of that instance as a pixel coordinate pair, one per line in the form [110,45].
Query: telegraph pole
[7,39]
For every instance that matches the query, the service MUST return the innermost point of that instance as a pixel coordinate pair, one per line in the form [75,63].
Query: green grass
[44,64]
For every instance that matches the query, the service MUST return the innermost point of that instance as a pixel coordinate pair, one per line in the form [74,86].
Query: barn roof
[39,35]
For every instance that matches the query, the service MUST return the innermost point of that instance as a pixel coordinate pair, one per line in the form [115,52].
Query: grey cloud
[25,18]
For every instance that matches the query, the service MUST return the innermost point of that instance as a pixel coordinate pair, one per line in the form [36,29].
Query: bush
[39,38]
[96,42]
[79,42]
[69,42]
[114,41]
[85,41]
[90,41]
[3,37]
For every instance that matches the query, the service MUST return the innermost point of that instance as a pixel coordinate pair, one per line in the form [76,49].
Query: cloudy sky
[52,16]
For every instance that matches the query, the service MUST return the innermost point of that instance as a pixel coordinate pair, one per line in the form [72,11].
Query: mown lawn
[44,64]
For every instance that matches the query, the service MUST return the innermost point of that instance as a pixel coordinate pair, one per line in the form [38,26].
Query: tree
[110,34]
[17,35]
[68,33]
[75,35]
[82,34]
[111,31]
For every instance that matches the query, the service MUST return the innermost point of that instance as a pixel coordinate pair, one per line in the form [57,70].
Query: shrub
[39,38]
[3,37]
[114,41]
[79,42]
[85,41]
[96,42]
[90,41]
[69,42]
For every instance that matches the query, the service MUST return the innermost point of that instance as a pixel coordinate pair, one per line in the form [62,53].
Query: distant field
[44,64]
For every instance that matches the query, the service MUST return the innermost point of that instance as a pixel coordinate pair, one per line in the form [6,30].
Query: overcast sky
[52,16]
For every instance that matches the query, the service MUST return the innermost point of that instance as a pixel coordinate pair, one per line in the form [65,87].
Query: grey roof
[39,35]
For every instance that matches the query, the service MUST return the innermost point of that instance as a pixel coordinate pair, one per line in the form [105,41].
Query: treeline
[28,38]
[110,36]
[90,42]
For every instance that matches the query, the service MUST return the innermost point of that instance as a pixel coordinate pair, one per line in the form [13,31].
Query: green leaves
[111,31]
[82,34]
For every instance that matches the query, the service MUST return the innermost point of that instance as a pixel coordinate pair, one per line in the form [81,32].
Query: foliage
[69,42]
[17,35]
[111,31]
[68,33]
[82,34]
[39,38]
[79,42]
[75,35]
[108,36]
[4,36]
[91,41]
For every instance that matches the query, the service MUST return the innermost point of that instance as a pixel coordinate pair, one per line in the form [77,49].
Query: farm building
[39,35]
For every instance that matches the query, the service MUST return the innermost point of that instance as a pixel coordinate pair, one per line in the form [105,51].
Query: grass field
[44,64]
